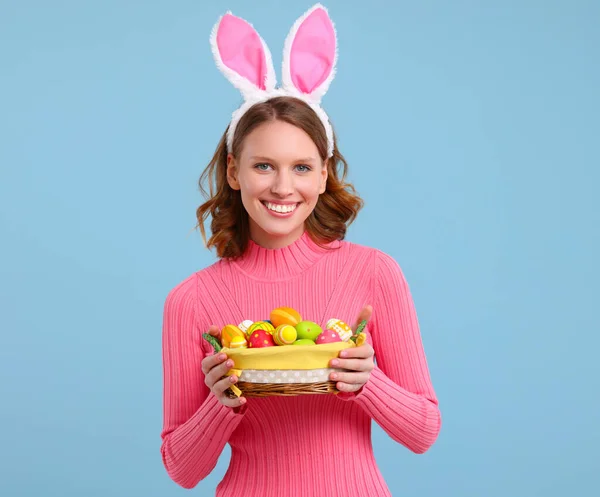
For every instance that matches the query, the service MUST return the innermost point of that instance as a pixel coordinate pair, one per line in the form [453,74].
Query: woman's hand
[359,360]
[215,367]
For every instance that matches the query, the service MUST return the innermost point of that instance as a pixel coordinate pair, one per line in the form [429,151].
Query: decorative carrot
[361,327]
[213,341]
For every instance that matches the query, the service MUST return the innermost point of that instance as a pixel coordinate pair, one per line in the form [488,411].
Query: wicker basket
[290,390]
[287,370]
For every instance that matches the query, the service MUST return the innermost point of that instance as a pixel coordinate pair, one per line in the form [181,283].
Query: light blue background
[472,132]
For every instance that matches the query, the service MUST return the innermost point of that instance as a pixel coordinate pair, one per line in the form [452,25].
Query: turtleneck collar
[281,263]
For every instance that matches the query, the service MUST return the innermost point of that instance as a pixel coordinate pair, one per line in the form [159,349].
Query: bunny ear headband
[309,59]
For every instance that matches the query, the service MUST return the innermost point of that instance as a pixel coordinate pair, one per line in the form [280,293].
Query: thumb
[208,347]
[215,331]
[364,314]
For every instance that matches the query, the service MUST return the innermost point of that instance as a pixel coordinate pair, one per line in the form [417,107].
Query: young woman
[280,209]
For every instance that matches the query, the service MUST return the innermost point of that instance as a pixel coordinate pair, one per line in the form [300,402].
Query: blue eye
[264,166]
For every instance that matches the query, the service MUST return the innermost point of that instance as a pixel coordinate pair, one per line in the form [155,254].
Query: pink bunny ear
[242,55]
[310,54]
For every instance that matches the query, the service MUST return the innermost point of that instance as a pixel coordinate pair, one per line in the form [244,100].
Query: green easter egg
[308,329]
[304,341]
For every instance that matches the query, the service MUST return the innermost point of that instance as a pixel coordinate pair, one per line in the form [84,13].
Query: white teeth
[280,208]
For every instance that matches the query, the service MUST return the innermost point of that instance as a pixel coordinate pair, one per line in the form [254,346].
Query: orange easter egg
[285,315]
[228,332]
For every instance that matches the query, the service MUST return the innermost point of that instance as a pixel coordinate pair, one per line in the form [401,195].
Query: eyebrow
[267,159]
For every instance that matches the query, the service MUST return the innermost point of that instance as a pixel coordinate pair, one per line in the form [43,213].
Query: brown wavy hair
[335,210]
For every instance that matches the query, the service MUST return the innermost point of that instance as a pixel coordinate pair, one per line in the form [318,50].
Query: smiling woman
[276,181]
[280,208]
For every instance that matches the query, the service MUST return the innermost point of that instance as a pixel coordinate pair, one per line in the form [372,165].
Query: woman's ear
[324,176]
[232,173]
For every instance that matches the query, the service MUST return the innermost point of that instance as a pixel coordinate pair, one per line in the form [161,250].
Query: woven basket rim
[283,389]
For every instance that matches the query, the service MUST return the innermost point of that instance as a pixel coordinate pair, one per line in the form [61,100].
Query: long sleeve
[399,395]
[196,425]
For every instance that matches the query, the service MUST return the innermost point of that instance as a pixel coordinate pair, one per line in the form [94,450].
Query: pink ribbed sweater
[310,445]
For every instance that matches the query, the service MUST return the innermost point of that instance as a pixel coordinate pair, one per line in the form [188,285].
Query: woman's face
[281,176]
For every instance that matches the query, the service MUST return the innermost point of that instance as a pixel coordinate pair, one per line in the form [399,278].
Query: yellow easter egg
[341,328]
[285,334]
[261,325]
[238,342]
[228,332]
[360,339]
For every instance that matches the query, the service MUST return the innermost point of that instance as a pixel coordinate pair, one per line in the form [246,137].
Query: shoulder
[187,289]
[181,294]
[379,258]
[347,248]
[383,268]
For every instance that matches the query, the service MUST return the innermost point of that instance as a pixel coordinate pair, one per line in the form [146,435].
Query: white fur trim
[279,92]
[270,80]
[286,76]
[247,88]
[253,95]
[258,97]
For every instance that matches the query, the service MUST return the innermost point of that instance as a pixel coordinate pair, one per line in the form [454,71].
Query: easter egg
[341,328]
[304,341]
[244,325]
[308,329]
[228,332]
[328,336]
[285,315]
[285,334]
[259,339]
[238,342]
[261,325]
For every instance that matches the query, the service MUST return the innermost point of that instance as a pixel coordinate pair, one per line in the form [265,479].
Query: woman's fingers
[224,383]
[218,383]
[221,386]
[359,359]
[351,378]
[349,387]
[215,367]
[211,361]
[355,358]
[216,373]
[353,364]
[215,331]
[362,352]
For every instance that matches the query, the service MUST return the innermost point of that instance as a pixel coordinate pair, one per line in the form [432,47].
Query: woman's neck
[272,264]
[269,241]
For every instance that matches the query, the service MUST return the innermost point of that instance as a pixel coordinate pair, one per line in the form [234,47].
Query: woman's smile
[280,210]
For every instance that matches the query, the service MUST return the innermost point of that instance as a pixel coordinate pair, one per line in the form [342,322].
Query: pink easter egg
[328,336]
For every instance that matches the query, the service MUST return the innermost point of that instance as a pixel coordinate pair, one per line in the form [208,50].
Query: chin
[274,227]
[280,231]
[277,229]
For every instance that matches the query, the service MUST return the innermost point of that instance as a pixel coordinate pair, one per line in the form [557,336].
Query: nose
[283,184]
